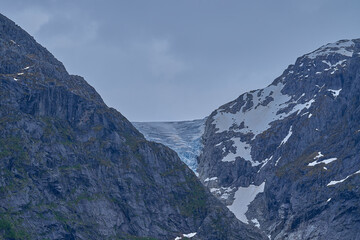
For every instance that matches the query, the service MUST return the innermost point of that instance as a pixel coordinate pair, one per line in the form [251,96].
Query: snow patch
[319,155]
[243,197]
[335,93]
[287,137]
[242,149]
[342,180]
[340,47]
[277,161]
[261,114]
[210,179]
[222,192]
[326,161]
[189,235]
[256,222]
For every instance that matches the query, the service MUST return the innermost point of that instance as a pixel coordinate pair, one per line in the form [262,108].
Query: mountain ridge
[285,158]
[73,168]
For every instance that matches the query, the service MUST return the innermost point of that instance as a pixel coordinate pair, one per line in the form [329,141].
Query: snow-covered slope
[277,155]
[184,137]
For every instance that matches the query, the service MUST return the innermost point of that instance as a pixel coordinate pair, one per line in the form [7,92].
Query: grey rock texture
[73,168]
[299,140]
[184,137]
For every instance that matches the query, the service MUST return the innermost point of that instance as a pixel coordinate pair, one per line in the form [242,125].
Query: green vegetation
[194,202]
[11,231]
[12,147]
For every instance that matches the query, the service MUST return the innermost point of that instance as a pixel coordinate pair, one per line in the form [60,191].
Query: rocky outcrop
[73,168]
[286,158]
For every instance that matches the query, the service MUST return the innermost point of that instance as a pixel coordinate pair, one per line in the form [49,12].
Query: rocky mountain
[73,168]
[183,137]
[285,158]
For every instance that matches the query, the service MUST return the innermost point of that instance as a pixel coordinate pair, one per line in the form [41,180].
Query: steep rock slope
[183,137]
[72,168]
[286,158]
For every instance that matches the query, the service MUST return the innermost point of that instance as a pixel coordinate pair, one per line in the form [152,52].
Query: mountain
[183,137]
[285,158]
[73,168]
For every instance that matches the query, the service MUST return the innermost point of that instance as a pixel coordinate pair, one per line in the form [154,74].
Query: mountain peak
[25,61]
[345,48]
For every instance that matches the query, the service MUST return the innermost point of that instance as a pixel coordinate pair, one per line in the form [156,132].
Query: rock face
[183,137]
[72,168]
[286,158]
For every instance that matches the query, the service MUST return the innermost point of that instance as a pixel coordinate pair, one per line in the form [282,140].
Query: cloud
[162,62]
[69,37]
[31,19]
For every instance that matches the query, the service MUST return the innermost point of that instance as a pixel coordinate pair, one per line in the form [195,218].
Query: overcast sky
[180,59]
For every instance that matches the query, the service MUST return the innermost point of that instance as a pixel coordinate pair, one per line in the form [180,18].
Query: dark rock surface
[291,150]
[72,168]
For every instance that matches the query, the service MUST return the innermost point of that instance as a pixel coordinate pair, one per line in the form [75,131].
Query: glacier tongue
[184,137]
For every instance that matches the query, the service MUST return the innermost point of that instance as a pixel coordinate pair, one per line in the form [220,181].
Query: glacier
[184,137]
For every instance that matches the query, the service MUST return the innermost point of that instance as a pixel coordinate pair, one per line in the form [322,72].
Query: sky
[171,60]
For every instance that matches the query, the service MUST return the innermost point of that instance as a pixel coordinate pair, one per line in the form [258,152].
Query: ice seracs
[184,137]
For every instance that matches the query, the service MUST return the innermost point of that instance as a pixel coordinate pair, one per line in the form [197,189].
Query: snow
[258,118]
[222,192]
[243,197]
[277,161]
[287,136]
[256,222]
[335,93]
[190,235]
[242,150]
[326,161]
[265,162]
[335,64]
[342,180]
[319,155]
[340,47]
[210,179]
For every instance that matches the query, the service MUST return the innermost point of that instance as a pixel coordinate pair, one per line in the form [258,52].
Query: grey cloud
[175,60]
